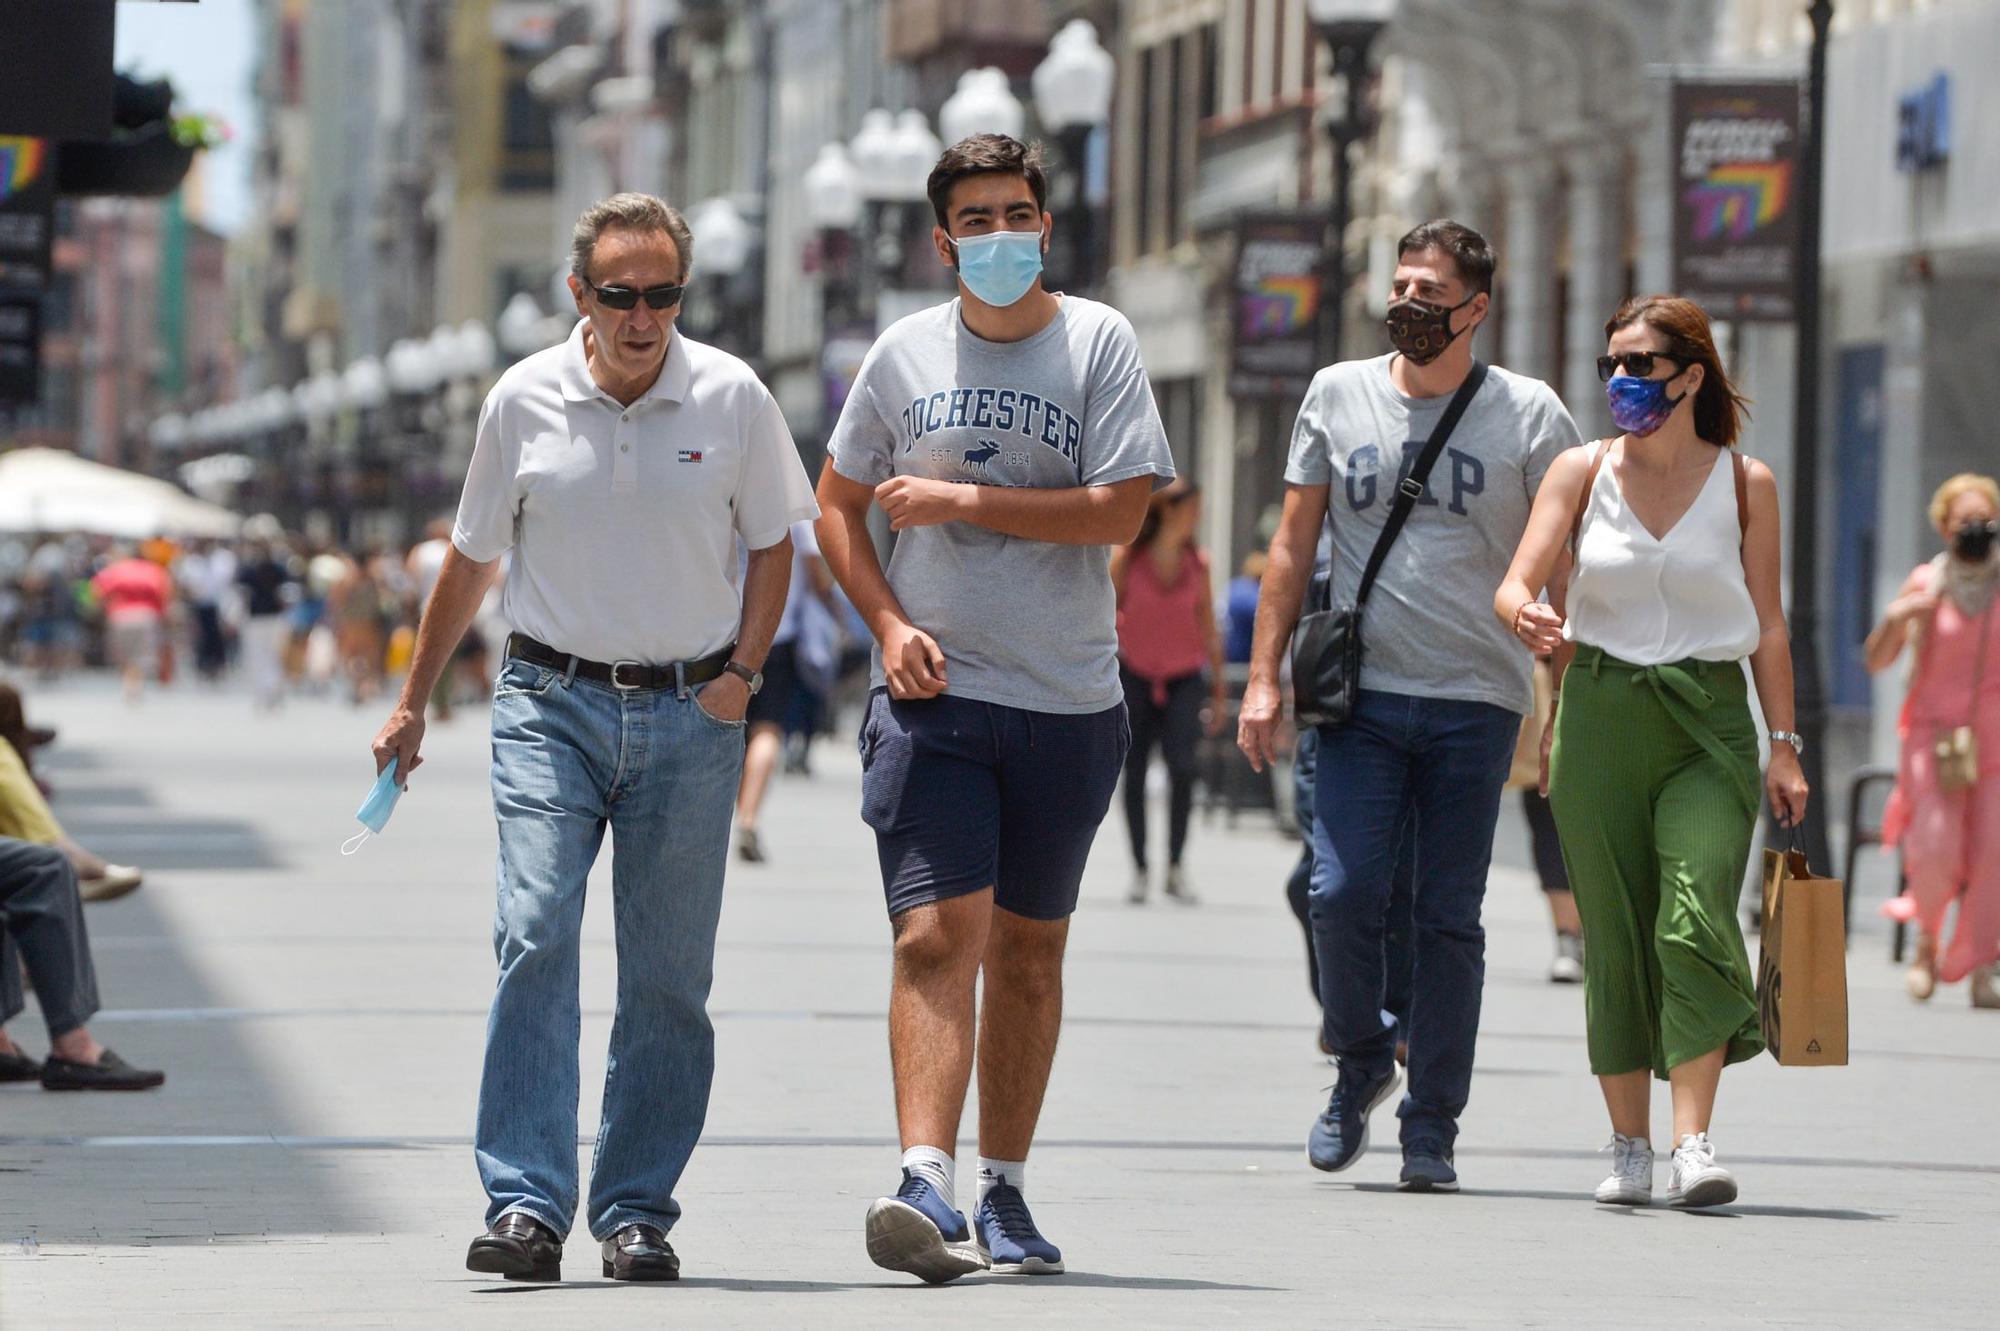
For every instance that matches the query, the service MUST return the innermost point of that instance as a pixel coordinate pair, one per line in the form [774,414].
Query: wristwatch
[754,678]
[1791,737]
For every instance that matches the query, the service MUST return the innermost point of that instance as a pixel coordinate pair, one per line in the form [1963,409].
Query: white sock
[935,1168]
[992,1173]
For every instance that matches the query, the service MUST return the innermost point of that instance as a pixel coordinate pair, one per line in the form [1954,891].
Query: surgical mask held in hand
[373,815]
[999,267]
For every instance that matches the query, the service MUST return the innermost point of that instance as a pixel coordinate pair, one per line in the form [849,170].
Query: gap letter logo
[690,455]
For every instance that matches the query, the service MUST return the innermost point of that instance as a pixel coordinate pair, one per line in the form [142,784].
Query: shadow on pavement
[744,1285]
[1718,1212]
[152,1191]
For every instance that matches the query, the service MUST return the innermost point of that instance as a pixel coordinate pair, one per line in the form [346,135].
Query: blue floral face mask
[1000,266]
[373,815]
[1640,406]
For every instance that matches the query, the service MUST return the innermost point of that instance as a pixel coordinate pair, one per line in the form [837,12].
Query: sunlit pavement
[320,1018]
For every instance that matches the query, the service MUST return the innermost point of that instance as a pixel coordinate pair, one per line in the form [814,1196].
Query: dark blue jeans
[1443,762]
[1396,929]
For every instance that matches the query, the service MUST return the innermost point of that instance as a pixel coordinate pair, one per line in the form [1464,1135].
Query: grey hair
[635,212]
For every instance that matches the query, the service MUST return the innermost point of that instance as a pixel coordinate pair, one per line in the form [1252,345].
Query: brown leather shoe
[518,1247]
[640,1252]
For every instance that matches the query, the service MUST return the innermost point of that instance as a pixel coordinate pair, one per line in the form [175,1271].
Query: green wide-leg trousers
[1655,788]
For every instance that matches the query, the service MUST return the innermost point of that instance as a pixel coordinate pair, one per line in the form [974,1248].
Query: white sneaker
[1136,894]
[1177,887]
[1567,968]
[1631,1180]
[1696,1180]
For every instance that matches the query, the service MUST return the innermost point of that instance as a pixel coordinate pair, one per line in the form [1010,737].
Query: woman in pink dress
[1169,660]
[1945,813]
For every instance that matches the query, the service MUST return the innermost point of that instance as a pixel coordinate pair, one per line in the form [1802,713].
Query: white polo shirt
[624,520]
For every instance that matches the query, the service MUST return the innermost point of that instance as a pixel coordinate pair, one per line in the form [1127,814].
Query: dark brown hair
[1469,252]
[1173,495]
[1718,408]
[986,155]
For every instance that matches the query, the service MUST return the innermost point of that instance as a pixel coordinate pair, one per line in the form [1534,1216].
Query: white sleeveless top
[1651,601]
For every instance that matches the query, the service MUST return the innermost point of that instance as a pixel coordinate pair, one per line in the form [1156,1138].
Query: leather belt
[622,675]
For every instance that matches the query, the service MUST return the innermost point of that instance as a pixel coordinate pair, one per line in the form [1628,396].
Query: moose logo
[983,453]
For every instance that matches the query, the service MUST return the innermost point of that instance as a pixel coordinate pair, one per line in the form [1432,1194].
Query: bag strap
[1985,623]
[1411,487]
[1742,495]
[1603,447]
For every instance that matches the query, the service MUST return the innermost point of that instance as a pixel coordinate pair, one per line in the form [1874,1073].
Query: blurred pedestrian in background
[1169,663]
[1529,776]
[268,586]
[1945,813]
[135,595]
[810,582]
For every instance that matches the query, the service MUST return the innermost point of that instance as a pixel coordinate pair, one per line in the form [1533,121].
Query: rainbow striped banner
[22,161]
[1279,305]
[1736,199]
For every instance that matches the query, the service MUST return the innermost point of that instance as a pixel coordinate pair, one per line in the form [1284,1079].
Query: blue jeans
[569,760]
[1443,762]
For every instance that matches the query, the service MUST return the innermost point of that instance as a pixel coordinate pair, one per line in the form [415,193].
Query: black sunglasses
[1637,363]
[625,298]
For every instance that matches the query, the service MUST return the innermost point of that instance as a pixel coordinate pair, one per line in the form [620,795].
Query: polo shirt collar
[578,386]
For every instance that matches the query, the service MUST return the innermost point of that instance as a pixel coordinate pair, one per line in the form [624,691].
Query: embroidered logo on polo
[690,455]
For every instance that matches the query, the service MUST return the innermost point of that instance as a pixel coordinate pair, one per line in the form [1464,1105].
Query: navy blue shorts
[965,795]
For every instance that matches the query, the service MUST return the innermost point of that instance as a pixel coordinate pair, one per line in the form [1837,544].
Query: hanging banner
[27,226]
[1274,312]
[1736,221]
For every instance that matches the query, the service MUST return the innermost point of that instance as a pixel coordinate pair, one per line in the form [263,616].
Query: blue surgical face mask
[1000,266]
[373,815]
[1640,406]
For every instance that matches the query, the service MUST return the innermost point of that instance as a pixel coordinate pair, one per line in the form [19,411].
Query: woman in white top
[1653,774]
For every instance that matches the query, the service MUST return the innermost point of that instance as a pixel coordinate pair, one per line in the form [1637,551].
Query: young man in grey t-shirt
[1443,686]
[1011,437]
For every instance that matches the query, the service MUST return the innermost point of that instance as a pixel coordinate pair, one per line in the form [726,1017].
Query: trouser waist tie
[1683,698]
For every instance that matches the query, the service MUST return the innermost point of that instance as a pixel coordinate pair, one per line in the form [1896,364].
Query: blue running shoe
[915,1231]
[1008,1238]
[1427,1167]
[1340,1134]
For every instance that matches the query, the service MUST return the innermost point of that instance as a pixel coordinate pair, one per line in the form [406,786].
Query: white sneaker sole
[902,1238]
[1715,1188]
[1620,1193]
[1034,1266]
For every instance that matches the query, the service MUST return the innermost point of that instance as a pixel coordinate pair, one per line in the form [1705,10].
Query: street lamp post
[1809,688]
[834,202]
[1073,100]
[1349,29]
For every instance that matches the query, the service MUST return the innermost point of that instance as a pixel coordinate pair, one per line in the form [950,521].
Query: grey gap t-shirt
[1022,623]
[1429,629]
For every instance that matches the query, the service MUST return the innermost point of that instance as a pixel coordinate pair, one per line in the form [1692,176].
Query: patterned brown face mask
[1420,330]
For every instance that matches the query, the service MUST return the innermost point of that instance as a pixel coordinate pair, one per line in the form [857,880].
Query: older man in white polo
[622,468]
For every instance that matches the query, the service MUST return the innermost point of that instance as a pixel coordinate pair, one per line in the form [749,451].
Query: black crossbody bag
[1326,648]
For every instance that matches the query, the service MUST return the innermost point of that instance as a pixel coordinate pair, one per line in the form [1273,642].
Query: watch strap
[754,678]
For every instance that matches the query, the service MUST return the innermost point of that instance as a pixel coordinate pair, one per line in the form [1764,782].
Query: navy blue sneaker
[1427,1167]
[915,1231]
[1341,1133]
[1008,1239]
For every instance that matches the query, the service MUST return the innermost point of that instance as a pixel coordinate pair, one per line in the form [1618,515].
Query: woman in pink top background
[1950,836]
[135,594]
[1168,644]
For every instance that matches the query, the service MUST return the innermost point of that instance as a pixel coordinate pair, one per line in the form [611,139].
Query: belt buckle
[620,684]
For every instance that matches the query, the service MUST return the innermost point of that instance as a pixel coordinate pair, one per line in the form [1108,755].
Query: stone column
[1527,264]
[1597,174]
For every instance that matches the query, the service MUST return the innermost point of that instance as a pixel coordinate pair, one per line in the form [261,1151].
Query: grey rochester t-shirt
[1022,623]
[1429,629]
